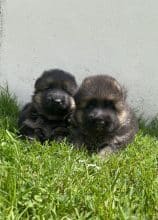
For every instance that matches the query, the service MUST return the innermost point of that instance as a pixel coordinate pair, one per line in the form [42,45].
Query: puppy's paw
[106,151]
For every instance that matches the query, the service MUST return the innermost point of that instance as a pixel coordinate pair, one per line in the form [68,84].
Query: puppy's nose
[97,115]
[61,103]
[98,119]
[58,101]
[99,122]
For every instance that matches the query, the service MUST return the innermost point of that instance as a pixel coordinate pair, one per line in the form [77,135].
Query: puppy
[47,116]
[102,121]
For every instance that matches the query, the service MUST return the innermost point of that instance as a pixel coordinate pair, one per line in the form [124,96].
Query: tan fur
[122,117]
[37,98]
[117,85]
[72,103]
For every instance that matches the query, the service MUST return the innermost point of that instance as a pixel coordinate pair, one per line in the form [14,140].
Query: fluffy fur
[47,116]
[102,122]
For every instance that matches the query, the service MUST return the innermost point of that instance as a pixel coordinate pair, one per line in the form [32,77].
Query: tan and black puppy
[102,121]
[47,116]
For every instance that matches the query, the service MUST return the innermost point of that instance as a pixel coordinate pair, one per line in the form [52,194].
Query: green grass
[54,181]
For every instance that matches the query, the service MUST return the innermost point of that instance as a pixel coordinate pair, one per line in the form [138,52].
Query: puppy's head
[54,92]
[100,104]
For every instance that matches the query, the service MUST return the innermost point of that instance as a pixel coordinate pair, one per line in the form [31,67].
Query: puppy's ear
[124,93]
[40,82]
[87,82]
[37,84]
[121,89]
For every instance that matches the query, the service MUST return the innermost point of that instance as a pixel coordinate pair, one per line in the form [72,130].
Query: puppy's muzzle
[58,102]
[99,119]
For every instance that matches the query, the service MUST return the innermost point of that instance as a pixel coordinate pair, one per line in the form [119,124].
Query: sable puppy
[47,116]
[102,121]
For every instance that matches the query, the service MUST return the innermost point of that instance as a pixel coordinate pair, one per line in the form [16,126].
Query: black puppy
[47,116]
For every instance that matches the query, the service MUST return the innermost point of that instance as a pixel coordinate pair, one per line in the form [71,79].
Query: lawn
[55,181]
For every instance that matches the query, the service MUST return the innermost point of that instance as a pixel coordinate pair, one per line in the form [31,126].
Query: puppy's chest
[96,142]
[55,128]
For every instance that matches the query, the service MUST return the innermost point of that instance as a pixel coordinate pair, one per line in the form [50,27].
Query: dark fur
[47,116]
[102,121]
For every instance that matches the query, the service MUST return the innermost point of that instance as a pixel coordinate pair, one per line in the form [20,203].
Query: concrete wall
[84,37]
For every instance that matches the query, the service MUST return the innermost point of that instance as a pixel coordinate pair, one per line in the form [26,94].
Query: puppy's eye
[92,103]
[109,104]
[64,87]
[48,89]
[49,86]
[44,89]
[67,88]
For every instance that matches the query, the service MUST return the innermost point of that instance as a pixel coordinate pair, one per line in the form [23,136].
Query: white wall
[84,37]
